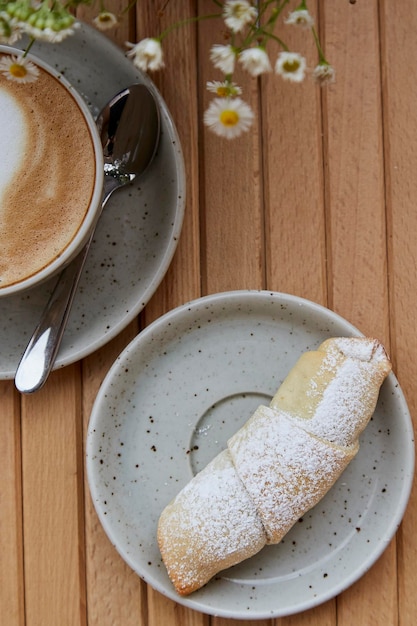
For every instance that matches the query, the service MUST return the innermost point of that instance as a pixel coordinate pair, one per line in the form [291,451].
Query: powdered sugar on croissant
[335,388]
[285,469]
[277,466]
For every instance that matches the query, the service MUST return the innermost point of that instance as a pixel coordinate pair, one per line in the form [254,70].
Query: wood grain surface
[319,200]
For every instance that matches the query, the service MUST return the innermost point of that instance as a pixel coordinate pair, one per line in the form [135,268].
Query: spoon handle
[39,357]
[40,354]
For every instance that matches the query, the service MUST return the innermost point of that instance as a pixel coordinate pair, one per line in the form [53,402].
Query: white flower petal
[48,34]
[228,117]
[105,20]
[238,13]
[18,69]
[255,61]
[223,57]
[324,74]
[291,66]
[224,88]
[147,54]
[300,17]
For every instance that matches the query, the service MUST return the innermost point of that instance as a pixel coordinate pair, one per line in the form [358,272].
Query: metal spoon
[129,126]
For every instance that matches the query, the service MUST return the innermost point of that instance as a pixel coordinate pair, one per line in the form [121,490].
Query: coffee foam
[47,174]
[13,137]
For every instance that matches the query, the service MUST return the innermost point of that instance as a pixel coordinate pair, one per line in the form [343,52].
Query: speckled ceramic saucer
[137,234]
[169,403]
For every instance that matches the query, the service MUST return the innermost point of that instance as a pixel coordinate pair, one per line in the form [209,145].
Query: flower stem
[322,58]
[267,31]
[28,47]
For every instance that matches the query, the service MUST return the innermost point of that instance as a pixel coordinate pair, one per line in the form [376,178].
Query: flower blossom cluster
[45,21]
[249,25]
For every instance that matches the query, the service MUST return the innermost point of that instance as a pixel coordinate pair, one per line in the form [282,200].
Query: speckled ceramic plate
[137,234]
[167,407]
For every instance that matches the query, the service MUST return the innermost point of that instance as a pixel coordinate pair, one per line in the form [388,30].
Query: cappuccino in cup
[51,175]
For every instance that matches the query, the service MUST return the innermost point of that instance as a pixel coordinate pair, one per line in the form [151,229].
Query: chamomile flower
[300,17]
[10,32]
[223,57]
[147,54]
[238,13]
[228,117]
[255,61]
[291,66]
[105,20]
[224,89]
[324,74]
[18,69]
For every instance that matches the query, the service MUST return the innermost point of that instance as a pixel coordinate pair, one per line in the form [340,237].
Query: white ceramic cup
[51,175]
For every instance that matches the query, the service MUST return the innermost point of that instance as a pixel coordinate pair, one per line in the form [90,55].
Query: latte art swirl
[47,174]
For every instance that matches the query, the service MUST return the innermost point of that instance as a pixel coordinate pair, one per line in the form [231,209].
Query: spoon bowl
[129,127]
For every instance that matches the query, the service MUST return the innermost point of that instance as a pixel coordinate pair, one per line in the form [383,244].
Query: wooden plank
[356,231]
[323,615]
[182,282]
[293,162]
[11,537]
[162,610]
[230,183]
[399,45]
[355,170]
[52,502]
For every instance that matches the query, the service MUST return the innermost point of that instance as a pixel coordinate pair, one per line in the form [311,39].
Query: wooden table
[319,201]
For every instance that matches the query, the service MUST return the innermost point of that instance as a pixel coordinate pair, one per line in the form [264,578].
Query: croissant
[277,466]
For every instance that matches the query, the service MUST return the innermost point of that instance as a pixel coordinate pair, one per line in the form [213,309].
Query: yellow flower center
[17,70]
[222,91]
[229,118]
[239,10]
[291,66]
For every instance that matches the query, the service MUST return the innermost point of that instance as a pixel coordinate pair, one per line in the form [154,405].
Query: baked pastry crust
[277,466]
